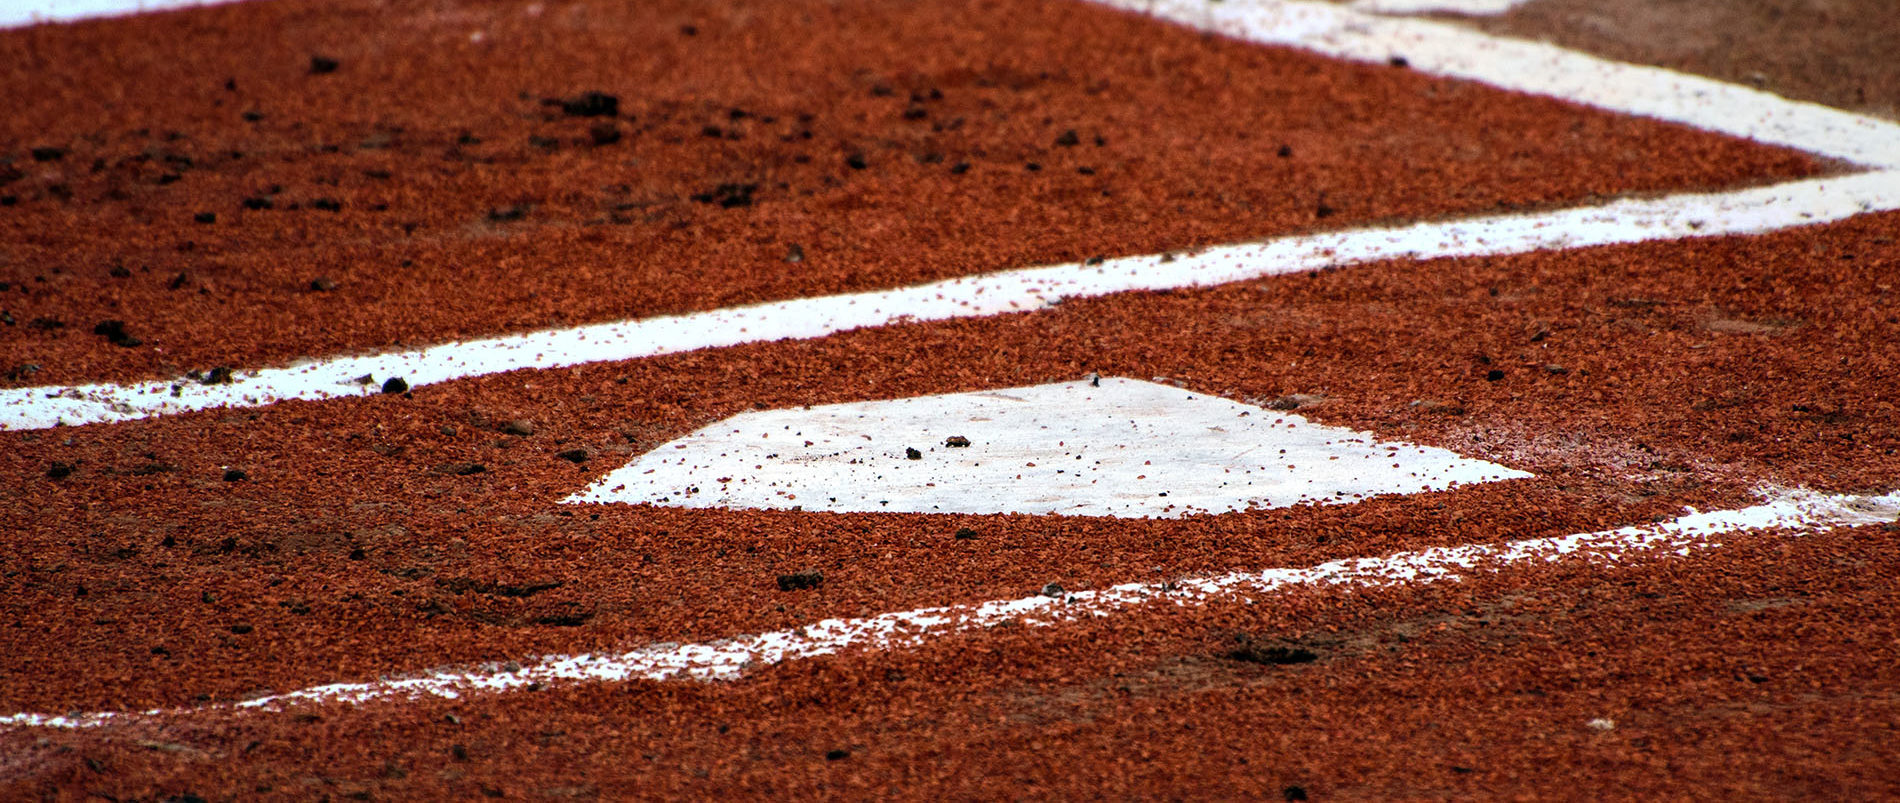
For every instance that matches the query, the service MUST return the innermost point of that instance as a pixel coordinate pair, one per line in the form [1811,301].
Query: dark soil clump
[591,104]
[1257,651]
[114,332]
[800,581]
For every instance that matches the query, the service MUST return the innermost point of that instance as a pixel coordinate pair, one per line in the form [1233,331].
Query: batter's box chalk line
[1337,31]
[1792,511]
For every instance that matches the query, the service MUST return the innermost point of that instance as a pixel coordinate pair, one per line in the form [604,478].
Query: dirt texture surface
[245,185]
[1837,53]
[1633,380]
[371,175]
[1764,670]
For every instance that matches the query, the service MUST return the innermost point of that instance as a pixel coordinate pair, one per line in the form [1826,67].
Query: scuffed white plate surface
[1122,448]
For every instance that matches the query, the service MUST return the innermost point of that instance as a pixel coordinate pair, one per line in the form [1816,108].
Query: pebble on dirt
[728,196]
[1296,401]
[508,214]
[1251,650]
[799,581]
[573,455]
[1437,406]
[591,104]
[114,332]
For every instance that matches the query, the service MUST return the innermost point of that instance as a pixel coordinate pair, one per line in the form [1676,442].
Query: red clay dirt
[212,556]
[1545,683]
[1833,52]
[1690,372]
[198,177]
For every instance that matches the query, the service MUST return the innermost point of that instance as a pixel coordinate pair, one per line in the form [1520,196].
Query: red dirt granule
[1765,669]
[209,557]
[136,565]
[451,177]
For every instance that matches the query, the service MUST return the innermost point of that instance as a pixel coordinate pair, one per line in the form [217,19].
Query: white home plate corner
[1113,447]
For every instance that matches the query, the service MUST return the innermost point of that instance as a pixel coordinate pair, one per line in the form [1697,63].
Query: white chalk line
[730,659]
[1469,8]
[1335,31]
[1749,211]
[1428,47]
[1449,50]
[22,13]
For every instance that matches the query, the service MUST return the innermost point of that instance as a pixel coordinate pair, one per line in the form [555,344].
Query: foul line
[730,659]
[1750,211]
[1541,69]
[1332,30]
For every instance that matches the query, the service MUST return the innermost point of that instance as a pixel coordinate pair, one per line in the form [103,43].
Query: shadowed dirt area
[1839,53]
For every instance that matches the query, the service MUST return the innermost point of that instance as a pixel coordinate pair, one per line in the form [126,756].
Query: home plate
[1112,447]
